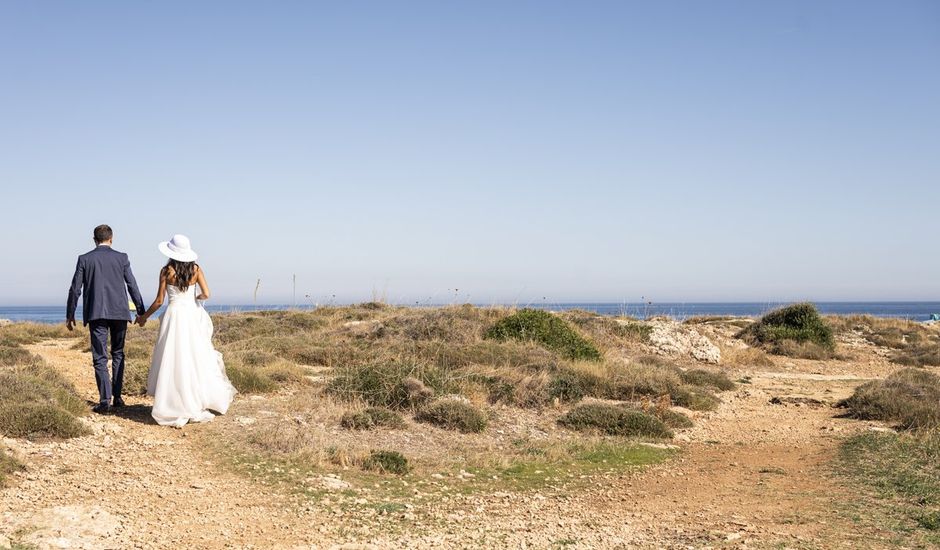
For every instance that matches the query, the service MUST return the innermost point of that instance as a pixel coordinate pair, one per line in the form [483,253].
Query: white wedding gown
[187,376]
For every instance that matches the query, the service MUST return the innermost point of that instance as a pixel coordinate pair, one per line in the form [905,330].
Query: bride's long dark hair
[184,273]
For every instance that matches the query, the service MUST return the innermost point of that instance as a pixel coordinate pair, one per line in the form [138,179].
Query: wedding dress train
[187,375]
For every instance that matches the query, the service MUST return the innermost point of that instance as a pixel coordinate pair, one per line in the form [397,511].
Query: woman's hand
[202,297]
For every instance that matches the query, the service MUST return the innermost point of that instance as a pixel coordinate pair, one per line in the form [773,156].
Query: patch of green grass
[391,462]
[452,414]
[904,471]
[614,420]
[372,417]
[909,397]
[546,329]
[796,330]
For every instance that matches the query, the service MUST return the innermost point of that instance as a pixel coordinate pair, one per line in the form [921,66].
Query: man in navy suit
[104,277]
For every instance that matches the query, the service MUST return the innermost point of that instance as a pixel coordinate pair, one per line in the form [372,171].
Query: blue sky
[601,151]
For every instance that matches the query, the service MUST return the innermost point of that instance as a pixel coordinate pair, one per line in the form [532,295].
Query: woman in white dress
[187,376]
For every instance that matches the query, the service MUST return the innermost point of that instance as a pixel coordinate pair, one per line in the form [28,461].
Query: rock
[334,483]
[882,429]
[670,337]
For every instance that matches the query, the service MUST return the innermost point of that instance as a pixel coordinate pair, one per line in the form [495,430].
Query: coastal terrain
[375,426]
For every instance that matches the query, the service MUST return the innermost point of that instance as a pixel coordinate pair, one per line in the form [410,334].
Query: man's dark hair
[102,233]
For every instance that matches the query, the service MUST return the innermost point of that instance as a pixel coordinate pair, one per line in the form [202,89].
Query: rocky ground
[754,473]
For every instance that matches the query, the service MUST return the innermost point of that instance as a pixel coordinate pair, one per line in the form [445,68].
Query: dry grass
[909,397]
[8,466]
[35,400]
[912,344]
[746,357]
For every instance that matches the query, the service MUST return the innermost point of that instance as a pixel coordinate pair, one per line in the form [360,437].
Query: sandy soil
[753,473]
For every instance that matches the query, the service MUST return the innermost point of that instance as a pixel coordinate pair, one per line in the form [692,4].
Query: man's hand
[70,324]
[140,321]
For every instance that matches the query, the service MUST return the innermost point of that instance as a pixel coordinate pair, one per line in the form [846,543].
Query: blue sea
[916,311]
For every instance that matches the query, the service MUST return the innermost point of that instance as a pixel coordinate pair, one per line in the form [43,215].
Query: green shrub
[546,329]
[453,414]
[614,420]
[694,398]
[249,380]
[673,419]
[568,387]
[910,397]
[391,462]
[393,385]
[707,379]
[8,465]
[38,420]
[372,417]
[797,330]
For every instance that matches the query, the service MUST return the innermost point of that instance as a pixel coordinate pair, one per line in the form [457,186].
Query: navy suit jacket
[102,275]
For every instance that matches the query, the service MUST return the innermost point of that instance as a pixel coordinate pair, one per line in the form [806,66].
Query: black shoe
[102,408]
[118,402]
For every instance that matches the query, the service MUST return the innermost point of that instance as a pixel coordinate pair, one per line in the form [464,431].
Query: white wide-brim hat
[178,249]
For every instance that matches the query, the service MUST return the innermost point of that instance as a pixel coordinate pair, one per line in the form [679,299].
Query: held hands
[141,320]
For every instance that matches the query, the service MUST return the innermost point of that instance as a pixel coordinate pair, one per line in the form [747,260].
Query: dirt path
[133,484]
[752,473]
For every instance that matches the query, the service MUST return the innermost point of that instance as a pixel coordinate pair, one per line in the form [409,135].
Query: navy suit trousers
[108,385]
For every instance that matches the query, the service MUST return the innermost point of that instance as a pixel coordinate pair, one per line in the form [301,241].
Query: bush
[614,420]
[38,420]
[567,386]
[391,462]
[393,385]
[372,417]
[8,465]
[452,414]
[15,355]
[546,329]
[707,379]
[249,380]
[694,398]
[798,324]
[918,355]
[673,419]
[909,397]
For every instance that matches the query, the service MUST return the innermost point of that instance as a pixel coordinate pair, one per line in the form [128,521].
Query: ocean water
[917,311]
